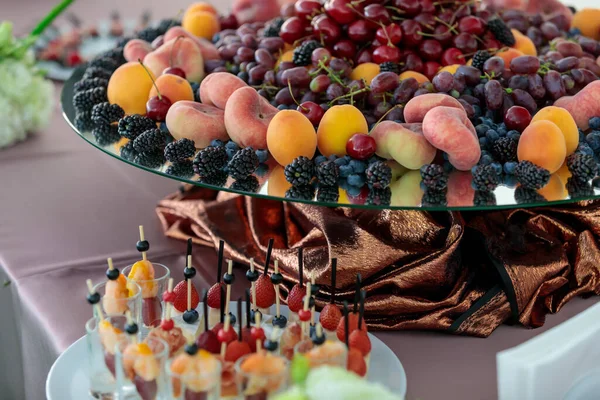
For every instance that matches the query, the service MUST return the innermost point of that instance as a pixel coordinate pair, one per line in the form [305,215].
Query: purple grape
[578,76]
[507,103]
[549,30]
[567,64]
[257,74]
[479,92]
[397,114]
[421,92]
[356,86]
[493,95]
[524,99]
[381,109]
[249,40]
[494,67]
[339,65]
[284,96]
[385,82]
[535,34]
[334,91]
[536,86]
[406,90]
[568,49]
[554,85]
[588,76]
[459,83]
[245,54]
[272,44]
[443,82]
[518,82]
[263,57]
[470,99]
[468,108]
[270,78]
[471,75]
[525,65]
[320,83]
[297,77]
[589,64]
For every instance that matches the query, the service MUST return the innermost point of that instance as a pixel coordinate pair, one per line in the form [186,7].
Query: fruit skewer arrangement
[296,296]
[167,331]
[265,290]
[330,314]
[214,294]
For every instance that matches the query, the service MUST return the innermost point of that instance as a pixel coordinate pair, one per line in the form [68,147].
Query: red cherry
[431,68]
[345,49]
[411,32]
[226,336]
[361,146]
[466,43]
[391,33]
[386,54]
[426,20]
[167,325]
[376,15]
[363,57]
[257,333]
[304,315]
[431,49]
[341,11]
[359,31]
[361,198]
[168,297]
[157,108]
[208,341]
[312,111]
[473,25]
[307,8]
[175,71]
[453,56]
[517,118]
[427,6]
[229,22]
[327,29]
[410,7]
[443,34]
[292,30]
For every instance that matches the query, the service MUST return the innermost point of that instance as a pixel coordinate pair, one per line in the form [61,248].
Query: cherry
[321,54]
[257,333]
[360,198]
[431,68]
[304,315]
[386,54]
[327,29]
[431,49]
[226,336]
[359,31]
[427,20]
[341,11]
[312,111]
[517,118]
[229,22]
[174,71]
[293,29]
[377,14]
[466,43]
[447,16]
[157,108]
[411,30]
[307,8]
[427,6]
[391,33]
[361,146]
[413,62]
[345,49]
[167,324]
[410,7]
[453,56]
[363,57]
[443,34]
[473,25]
[491,43]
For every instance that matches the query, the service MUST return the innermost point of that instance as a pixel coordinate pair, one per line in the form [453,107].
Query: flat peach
[419,106]
[198,122]
[218,87]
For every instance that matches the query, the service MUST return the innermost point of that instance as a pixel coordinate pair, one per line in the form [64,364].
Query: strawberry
[180,303]
[330,317]
[265,292]
[214,296]
[295,299]
[359,340]
[352,324]
[236,350]
[151,311]
[356,363]
[208,341]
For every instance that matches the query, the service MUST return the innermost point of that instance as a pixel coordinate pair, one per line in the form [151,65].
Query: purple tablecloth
[66,207]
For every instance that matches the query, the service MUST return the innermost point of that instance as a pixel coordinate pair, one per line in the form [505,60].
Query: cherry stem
[151,78]
[294,98]
[451,28]
[351,94]
[330,73]
[385,115]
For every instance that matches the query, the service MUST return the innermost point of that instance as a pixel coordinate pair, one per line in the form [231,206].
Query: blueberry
[486,160]
[356,180]
[498,167]
[509,167]
[232,145]
[333,157]
[510,181]
[595,123]
[343,183]
[581,136]
[320,159]
[593,139]
[262,170]
[445,156]
[514,135]
[359,167]
[574,32]
[447,166]
[282,107]
[353,191]
[483,142]
[492,136]
[274,103]
[263,155]
[482,130]
[345,171]
[217,143]
[477,109]
[231,153]
[341,161]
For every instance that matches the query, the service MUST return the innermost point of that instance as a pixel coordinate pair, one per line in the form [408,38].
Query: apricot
[543,144]
[524,44]
[201,6]
[173,88]
[338,125]
[416,109]
[509,54]
[366,72]
[451,68]
[564,173]
[584,105]
[203,24]
[555,189]
[278,183]
[565,123]
[291,135]
[129,86]
[587,21]
[287,56]
[412,74]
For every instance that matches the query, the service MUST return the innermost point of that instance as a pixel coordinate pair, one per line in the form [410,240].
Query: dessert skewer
[305,314]
[93,298]
[279,321]
[229,279]
[296,296]
[359,338]
[225,336]
[116,292]
[238,348]
[248,328]
[330,314]
[214,293]
[258,333]
[167,330]
[190,316]
[265,292]
[355,361]
[252,275]
[353,315]
[207,340]
[219,327]
[184,301]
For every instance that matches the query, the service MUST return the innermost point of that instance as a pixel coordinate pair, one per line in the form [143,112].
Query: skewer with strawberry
[355,361]
[258,333]
[265,291]
[186,295]
[252,275]
[225,300]
[207,340]
[331,315]
[238,348]
[248,328]
[294,300]
[359,338]
[352,317]
[305,314]
[167,330]
[314,291]
[279,321]
[214,293]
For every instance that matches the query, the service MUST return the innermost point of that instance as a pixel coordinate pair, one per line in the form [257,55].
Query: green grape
[300,369]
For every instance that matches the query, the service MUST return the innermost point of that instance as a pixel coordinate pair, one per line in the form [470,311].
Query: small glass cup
[203,383]
[140,375]
[111,305]
[252,385]
[152,290]
[330,353]
[101,348]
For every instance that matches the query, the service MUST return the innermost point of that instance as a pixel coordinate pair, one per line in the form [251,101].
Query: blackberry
[525,195]
[531,176]
[132,126]
[105,113]
[83,122]
[148,34]
[501,31]
[379,197]
[107,64]
[484,198]
[480,58]
[116,55]
[210,160]
[249,184]
[379,175]
[95,72]
[128,152]
[183,169]
[328,173]
[106,135]
[303,192]
[485,178]
[434,198]
[582,166]
[274,27]
[300,172]
[303,53]
[150,140]
[180,150]
[219,179]
[389,66]
[434,177]
[166,24]
[150,159]
[87,84]
[328,194]
[505,149]
[84,101]
[578,189]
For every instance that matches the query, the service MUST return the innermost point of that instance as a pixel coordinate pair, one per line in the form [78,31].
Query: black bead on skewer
[268,259]
[191,316]
[333,279]
[301,266]
[253,315]
[252,276]
[131,328]
[311,301]
[142,246]
[316,339]
[280,322]
[189,272]
[271,345]
[191,349]
[314,289]
[276,278]
[205,308]
[112,274]
[232,318]
[228,278]
[357,292]
[248,308]
[220,261]
[93,298]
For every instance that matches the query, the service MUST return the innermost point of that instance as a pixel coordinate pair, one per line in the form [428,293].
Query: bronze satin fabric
[464,273]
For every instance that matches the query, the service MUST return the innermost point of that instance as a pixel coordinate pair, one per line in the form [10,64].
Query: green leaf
[48,19]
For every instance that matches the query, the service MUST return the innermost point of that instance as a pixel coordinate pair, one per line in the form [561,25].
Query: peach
[460,190]
[543,144]
[136,49]
[173,88]
[203,24]
[366,72]
[450,130]
[209,50]
[524,44]
[338,125]
[197,122]
[587,21]
[217,88]
[584,105]
[255,10]
[398,171]
[247,118]
[564,121]
[129,86]
[181,53]
[419,106]
[403,143]
[407,191]
[291,135]
[412,74]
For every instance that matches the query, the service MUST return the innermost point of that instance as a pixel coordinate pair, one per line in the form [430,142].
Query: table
[67,207]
